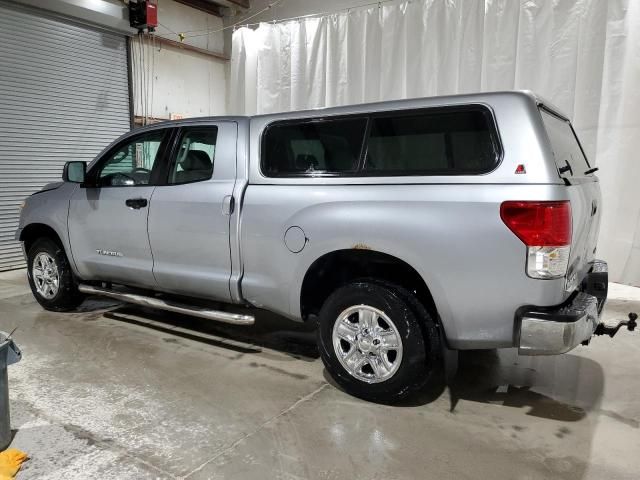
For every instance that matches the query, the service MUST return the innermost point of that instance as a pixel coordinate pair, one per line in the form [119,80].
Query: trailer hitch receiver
[631,324]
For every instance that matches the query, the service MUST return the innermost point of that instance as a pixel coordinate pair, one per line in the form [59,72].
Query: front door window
[133,162]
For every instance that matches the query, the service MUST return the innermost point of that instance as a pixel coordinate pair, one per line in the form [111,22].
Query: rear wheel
[50,277]
[377,342]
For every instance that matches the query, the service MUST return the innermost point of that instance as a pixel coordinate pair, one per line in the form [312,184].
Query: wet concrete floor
[115,392]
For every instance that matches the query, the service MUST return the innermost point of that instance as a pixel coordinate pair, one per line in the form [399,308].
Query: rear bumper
[555,330]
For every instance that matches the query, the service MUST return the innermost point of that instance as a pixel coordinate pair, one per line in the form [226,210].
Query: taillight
[545,228]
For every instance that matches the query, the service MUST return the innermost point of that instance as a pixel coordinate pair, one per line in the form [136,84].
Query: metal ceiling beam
[203,6]
[241,4]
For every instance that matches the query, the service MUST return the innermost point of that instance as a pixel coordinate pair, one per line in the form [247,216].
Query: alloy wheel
[367,343]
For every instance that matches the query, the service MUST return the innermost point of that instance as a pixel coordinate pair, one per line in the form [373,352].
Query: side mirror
[74,172]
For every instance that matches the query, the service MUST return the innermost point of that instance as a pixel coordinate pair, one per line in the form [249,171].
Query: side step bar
[152,302]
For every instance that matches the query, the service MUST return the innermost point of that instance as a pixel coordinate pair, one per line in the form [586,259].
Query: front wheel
[377,341]
[50,277]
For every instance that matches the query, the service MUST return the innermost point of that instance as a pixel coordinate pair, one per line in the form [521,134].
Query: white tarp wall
[583,55]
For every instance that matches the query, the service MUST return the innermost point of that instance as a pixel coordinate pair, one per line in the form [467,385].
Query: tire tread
[68,297]
[422,353]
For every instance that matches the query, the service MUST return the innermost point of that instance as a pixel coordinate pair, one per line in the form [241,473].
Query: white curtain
[583,55]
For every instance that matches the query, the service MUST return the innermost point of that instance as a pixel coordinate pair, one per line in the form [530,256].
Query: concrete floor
[121,392]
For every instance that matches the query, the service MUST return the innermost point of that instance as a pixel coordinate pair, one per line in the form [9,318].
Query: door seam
[153,261]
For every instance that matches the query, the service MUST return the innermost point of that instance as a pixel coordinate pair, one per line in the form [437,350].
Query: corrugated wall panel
[63,96]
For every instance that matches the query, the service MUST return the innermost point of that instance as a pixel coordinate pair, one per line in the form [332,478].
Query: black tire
[67,296]
[421,349]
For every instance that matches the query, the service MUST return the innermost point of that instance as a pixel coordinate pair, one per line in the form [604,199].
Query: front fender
[49,208]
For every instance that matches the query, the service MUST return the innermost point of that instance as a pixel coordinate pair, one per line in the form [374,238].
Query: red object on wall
[143,14]
[152,13]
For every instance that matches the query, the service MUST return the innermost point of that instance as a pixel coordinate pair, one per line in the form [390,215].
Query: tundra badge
[109,253]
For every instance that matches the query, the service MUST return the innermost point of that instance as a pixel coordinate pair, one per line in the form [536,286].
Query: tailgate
[583,191]
[585,207]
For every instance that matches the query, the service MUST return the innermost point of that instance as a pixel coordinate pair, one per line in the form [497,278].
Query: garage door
[63,96]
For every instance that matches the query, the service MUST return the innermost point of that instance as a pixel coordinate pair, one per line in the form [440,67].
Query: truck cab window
[133,162]
[194,158]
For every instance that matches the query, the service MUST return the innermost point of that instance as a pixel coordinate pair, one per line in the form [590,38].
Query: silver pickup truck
[402,228]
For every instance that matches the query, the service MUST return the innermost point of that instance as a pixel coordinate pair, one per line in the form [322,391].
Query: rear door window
[193,161]
[569,156]
[431,143]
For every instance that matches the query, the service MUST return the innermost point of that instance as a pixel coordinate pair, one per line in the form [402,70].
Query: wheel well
[34,231]
[341,267]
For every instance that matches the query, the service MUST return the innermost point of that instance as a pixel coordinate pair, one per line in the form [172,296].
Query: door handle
[228,202]
[566,168]
[136,203]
